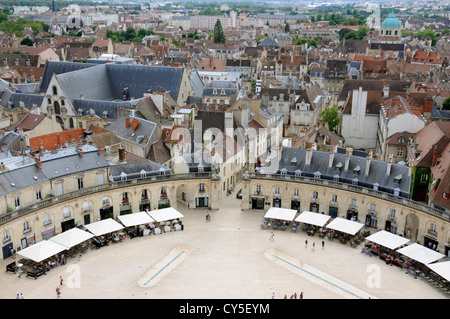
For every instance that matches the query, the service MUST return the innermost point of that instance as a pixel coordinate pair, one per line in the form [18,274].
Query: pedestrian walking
[58,292]
[314,245]
[295,295]
[306,243]
[61,280]
[21,296]
[18,297]
[323,243]
[272,235]
[301,295]
[273,295]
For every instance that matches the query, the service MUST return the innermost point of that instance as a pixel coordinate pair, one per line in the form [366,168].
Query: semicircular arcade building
[49,193]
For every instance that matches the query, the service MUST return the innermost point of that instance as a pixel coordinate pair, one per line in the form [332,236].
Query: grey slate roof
[320,163]
[13,99]
[68,161]
[146,132]
[16,179]
[136,170]
[54,67]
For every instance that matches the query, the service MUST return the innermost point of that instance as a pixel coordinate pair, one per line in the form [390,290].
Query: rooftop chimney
[368,161]
[134,124]
[348,153]
[389,164]
[331,158]
[127,121]
[386,91]
[121,154]
[38,162]
[308,156]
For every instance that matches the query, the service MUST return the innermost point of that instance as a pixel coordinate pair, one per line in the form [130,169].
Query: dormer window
[398,179]
[338,166]
[356,170]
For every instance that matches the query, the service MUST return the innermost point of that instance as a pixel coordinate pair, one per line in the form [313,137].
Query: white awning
[41,250]
[104,226]
[135,219]
[387,239]
[164,214]
[71,237]
[441,268]
[281,213]
[312,218]
[345,225]
[420,253]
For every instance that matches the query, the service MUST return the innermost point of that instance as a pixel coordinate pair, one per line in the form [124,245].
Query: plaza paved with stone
[230,257]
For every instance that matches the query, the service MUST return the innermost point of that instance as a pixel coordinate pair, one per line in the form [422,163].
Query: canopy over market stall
[387,239]
[420,253]
[41,250]
[441,268]
[312,218]
[71,237]
[281,213]
[164,214]
[104,226]
[345,225]
[135,219]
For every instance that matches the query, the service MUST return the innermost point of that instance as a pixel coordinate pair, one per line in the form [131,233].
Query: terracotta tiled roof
[56,140]
[28,123]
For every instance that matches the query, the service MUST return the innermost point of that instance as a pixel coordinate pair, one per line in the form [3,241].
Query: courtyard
[229,257]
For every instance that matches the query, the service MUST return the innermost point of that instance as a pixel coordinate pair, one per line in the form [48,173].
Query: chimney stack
[348,153]
[134,124]
[368,161]
[331,158]
[121,154]
[127,121]
[389,165]
[308,155]
[38,162]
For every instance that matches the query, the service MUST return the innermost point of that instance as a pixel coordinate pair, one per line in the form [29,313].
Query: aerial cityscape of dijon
[224,150]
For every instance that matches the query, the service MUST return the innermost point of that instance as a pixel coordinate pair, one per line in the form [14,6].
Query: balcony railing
[353,188]
[6,217]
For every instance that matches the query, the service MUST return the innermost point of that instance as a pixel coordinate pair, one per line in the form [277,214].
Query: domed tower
[391,26]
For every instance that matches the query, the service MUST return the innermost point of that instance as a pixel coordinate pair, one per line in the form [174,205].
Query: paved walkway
[230,257]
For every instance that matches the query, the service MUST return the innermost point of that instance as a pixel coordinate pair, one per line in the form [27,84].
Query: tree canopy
[331,117]
[219,37]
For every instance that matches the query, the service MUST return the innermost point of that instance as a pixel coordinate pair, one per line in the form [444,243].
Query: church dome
[391,22]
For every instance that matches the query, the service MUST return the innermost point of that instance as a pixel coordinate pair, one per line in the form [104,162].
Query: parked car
[239,194]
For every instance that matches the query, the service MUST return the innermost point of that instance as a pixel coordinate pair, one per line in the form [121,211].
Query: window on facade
[201,188]
[55,90]
[144,194]
[399,152]
[66,212]
[258,189]
[47,219]
[6,236]
[277,190]
[392,215]
[26,227]
[315,196]
[38,194]
[373,208]
[433,228]
[296,192]
[353,203]
[424,178]
[17,202]
[80,183]
[105,201]
[125,198]
[334,199]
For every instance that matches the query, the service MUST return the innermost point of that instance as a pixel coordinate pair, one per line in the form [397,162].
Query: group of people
[293,296]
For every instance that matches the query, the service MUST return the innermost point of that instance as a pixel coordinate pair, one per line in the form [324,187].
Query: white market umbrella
[441,268]
[281,213]
[135,219]
[387,239]
[164,214]
[72,237]
[420,253]
[104,226]
[345,225]
[41,250]
[312,218]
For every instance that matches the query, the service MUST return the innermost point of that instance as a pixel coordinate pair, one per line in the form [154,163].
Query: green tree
[27,41]
[286,28]
[331,117]
[446,104]
[219,37]
[428,33]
